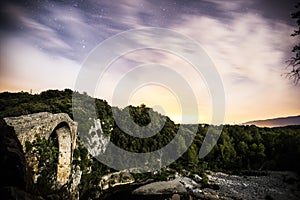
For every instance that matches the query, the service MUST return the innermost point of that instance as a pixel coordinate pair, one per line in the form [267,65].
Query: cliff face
[15,177]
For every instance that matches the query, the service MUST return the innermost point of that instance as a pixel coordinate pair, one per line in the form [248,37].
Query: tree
[294,62]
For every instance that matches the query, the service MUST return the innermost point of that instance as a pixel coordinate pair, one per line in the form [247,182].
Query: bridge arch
[45,124]
[63,133]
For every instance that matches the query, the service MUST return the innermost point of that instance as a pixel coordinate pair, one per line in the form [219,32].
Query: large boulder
[162,187]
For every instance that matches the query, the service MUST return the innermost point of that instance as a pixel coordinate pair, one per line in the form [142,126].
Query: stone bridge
[44,124]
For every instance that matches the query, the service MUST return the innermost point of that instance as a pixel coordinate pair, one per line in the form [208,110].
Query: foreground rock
[162,187]
[181,188]
[15,177]
[272,186]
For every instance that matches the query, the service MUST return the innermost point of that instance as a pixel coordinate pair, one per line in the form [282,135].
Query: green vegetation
[22,103]
[92,172]
[44,153]
[240,149]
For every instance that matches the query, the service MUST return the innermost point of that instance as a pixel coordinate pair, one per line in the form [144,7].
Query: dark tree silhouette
[294,61]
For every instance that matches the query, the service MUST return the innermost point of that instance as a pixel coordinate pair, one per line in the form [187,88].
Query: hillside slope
[276,122]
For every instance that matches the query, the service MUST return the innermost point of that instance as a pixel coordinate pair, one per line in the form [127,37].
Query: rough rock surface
[180,185]
[162,187]
[75,181]
[15,177]
[274,185]
[44,124]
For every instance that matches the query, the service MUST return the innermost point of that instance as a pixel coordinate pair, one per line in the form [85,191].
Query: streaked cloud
[44,45]
[234,5]
[250,53]
[27,67]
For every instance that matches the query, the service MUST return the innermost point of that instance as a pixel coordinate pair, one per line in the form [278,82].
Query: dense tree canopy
[239,148]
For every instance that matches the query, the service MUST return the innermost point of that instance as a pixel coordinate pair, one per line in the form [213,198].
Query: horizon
[44,45]
[245,123]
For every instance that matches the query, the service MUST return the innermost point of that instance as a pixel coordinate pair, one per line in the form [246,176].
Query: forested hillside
[239,147]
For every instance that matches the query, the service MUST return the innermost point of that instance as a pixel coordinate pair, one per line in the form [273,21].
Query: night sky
[44,43]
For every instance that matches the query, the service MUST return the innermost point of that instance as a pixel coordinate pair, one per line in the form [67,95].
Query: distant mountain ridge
[276,122]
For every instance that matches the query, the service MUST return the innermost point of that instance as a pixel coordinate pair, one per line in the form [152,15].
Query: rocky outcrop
[162,187]
[273,186]
[75,181]
[115,179]
[15,177]
[44,124]
[179,188]
[97,143]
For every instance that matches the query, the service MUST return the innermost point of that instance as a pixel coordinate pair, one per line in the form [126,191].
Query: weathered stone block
[44,124]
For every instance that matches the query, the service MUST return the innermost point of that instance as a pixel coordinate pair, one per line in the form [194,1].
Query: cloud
[249,52]
[163,56]
[56,28]
[24,66]
[234,5]
[43,35]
